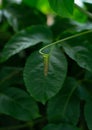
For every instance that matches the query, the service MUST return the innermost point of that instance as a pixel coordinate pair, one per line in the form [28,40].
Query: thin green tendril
[46,56]
[62,40]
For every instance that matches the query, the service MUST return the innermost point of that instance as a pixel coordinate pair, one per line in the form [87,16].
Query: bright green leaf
[65,105]
[62,7]
[42,5]
[43,87]
[60,127]
[79,16]
[18,104]
[24,39]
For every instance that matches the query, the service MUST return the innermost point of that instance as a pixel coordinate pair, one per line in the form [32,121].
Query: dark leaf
[24,39]
[80,50]
[42,87]
[60,127]
[18,104]
[65,105]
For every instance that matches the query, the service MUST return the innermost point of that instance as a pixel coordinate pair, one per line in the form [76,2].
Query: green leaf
[88,113]
[43,87]
[65,105]
[62,7]
[80,50]
[18,104]
[31,3]
[79,16]
[60,127]
[10,76]
[83,93]
[24,39]
[85,89]
[42,5]
[19,20]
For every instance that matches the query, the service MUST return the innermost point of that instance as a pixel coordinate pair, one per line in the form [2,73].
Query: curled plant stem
[62,40]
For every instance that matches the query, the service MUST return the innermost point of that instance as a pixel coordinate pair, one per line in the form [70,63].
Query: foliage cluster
[45,65]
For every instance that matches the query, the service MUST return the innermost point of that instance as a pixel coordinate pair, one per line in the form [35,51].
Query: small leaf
[60,127]
[24,39]
[62,7]
[43,87]
[65,105]
[88,113]
[18,104]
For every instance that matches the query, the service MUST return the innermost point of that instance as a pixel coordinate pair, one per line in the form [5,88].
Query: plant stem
[62,40]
